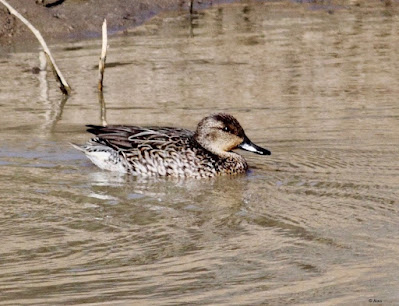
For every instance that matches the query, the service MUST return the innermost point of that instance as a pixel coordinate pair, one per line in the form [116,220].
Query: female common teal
[165,151]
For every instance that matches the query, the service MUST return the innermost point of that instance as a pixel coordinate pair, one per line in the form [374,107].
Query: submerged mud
[81,18]
[76,19]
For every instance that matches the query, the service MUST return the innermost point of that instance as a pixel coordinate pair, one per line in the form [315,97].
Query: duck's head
[220,133]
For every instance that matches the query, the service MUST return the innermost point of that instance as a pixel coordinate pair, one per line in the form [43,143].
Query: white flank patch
[103,160]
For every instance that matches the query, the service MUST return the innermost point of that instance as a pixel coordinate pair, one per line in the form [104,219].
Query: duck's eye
[226,129]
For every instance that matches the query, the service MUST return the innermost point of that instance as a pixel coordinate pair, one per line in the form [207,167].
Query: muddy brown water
[316,222]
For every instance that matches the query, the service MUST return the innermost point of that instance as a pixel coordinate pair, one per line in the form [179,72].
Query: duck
[168,151]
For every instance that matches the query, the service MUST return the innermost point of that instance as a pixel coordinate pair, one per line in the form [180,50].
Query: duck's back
[149,151]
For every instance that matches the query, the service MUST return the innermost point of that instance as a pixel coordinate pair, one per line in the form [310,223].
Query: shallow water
[316,222]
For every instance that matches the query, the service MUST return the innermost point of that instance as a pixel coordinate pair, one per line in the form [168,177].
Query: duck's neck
[227,162]
[209,147]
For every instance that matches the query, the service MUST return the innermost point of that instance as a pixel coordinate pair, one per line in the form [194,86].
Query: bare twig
[101,65]
[191,7]
[65,88]
[101,68]
[103,114]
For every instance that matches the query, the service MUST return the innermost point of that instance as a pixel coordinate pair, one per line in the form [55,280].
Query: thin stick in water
[191,7]
[101,65]
[64,86]
[103,113]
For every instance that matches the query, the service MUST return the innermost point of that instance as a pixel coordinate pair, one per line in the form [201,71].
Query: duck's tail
[78,147]
[103,156]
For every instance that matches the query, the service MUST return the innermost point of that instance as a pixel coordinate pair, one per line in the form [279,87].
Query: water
[316,222]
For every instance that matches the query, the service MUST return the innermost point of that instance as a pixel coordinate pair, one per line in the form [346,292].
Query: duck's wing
[125,138]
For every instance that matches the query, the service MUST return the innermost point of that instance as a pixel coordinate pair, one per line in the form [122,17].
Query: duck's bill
[247,145]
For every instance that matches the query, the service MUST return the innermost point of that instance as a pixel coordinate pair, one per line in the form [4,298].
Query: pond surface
[315,222]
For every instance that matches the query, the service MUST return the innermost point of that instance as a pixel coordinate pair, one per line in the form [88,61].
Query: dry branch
[65,88]
[101,68]
[103,112]
[101,65]
[191,7]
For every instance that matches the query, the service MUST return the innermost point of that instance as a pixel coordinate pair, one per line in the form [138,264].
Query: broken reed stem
[191,7]
[64,86]
[101,68]
[101,65]
[103,113]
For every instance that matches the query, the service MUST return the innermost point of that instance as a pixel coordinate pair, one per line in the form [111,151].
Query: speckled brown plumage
[165,151]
